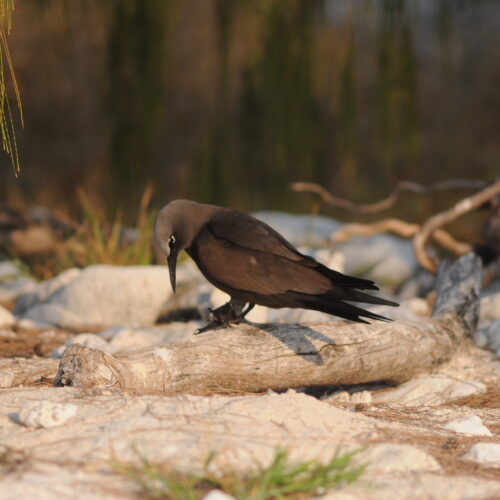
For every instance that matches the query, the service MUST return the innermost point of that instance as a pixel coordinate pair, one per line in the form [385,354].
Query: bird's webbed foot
[231,313]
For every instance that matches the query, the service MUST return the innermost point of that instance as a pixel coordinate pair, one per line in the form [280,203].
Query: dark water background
[227,101]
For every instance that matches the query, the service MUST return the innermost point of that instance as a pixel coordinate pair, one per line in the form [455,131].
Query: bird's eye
[171,240]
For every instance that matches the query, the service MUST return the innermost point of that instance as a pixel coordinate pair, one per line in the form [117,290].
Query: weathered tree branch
[431,225]
[401,228]
[253,358]
[369,208]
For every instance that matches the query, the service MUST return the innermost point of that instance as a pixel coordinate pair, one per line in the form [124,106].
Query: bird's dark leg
[229,314]
[246,311]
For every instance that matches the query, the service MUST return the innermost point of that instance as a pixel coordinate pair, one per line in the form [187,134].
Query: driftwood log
[253,358]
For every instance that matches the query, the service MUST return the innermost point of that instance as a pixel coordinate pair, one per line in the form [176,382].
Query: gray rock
[13,282]
[488,336]
[429,390]
[102,296]
[387,259]
[487,454]
[44,291]
[472,426]
[6,318]
[12,289]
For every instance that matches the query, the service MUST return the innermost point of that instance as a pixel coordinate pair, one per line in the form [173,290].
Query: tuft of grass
[97,241]
[280,480]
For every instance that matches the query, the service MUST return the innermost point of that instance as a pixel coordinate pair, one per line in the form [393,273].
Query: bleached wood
[253,358]
[256,358]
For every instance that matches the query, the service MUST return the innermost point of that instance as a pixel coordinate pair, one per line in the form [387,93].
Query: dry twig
[388,202]
[431,225]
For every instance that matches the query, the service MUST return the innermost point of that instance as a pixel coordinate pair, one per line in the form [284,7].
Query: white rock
[7,319]
[309,230]
[218,495]
[429,390]
[86,339]
[487,454]
[361,397]
[338,397]
[44,290]
[45,413]
[30,324]
[6,378]
[127,338]
[471,425]
[103,296]
[389,458]
[384,258]
[490,305]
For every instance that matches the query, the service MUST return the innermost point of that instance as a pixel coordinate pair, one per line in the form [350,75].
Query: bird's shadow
[299,342]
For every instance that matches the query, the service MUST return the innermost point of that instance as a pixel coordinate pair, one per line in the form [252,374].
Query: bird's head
[175,228]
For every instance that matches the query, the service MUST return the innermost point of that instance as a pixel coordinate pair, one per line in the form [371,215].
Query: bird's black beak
[172,263]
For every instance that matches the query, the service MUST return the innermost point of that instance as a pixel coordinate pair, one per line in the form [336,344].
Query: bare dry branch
[431,225]
[388,202]
[401,228]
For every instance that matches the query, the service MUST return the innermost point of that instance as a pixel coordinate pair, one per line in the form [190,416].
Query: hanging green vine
[7,129]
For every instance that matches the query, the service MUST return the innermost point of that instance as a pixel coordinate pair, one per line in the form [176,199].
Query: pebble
[484,453]
[339,397]
[218,495]
[45,414]
[361,397]
[7,319]
[472,425]
[6,379]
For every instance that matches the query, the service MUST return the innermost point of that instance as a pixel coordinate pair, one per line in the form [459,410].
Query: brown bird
[254,264]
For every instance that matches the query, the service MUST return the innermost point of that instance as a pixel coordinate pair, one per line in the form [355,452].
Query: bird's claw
[213,325]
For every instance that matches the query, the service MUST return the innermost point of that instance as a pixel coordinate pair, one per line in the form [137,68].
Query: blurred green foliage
[227,101]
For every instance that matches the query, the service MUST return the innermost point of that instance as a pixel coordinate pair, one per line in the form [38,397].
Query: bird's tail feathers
[345,281]
[343,310]
[370,299]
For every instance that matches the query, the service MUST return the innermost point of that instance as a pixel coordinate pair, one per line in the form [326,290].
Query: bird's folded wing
[227,264]
[248,232]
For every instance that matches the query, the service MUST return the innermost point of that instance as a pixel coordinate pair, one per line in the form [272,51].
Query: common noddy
[254,264]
